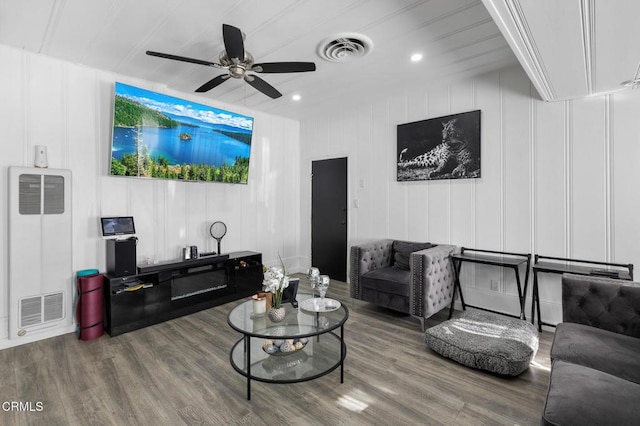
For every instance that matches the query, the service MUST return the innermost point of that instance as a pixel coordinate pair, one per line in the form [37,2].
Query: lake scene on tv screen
[160,136]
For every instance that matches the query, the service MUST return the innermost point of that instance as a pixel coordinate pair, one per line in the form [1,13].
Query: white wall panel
[383,151]
[309,138]
[550,212]
[158,220]
[397,207]
[195,215]
[516,161]
[549,171]
[320,148]
[78,84]
[268,203]
[438,212]
[115,190]
[278,171]
[540,164]
[47,108]
[291,207]
[242,229]
[417,108]
[13,121]
[141,205]
[625,197]
[361,170]
[489,186]
[336,135]
[175,227]
[439,101]
[417,211]
[588,179]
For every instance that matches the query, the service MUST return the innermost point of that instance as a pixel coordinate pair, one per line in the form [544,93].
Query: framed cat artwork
[445,147]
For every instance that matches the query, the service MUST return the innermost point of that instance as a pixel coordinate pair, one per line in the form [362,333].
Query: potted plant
[275,281]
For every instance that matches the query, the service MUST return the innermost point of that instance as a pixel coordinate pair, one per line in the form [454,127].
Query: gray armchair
[595,370]
[408,277]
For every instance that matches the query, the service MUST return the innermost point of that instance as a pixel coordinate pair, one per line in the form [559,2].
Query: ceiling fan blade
[183,59]
[233,43]
[212,83]
[276,67]
[262,86]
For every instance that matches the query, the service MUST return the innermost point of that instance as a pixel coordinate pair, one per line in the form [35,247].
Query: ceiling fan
[239,62]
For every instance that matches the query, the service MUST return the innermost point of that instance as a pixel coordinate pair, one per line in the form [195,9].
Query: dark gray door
[329,217]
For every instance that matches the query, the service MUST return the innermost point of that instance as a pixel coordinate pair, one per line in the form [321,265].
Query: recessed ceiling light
[296,97]
[416,57]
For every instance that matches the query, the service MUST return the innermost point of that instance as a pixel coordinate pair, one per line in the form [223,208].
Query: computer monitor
[115,227]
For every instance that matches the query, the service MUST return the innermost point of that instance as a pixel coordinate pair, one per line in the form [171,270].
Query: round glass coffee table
[310,324]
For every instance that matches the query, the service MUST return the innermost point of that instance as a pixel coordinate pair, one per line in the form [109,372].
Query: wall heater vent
[53,307]
[30,311]
[41,309]
[41,281]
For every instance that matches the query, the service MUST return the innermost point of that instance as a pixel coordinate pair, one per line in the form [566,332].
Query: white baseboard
[35,336]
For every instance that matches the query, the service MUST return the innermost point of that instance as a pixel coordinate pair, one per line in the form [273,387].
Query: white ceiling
[572,48]
[569,48]
[458,38]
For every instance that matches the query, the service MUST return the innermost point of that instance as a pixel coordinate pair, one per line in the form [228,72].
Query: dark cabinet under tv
[169,290]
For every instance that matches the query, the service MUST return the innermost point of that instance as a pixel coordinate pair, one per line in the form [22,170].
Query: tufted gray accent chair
[422,290]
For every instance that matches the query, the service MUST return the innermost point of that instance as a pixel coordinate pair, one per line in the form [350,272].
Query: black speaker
[121,257]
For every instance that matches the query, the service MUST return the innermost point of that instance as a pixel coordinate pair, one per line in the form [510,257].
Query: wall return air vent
[41,309]
[344,47]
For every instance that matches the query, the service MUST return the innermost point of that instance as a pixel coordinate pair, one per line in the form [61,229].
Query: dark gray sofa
[595,373]
[408,277]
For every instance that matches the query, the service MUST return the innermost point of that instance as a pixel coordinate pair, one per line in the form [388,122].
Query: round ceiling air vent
[345,47]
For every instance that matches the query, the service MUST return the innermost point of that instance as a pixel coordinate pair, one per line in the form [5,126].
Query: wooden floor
[178,372]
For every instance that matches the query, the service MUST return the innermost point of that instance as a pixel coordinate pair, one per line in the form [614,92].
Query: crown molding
[509,17]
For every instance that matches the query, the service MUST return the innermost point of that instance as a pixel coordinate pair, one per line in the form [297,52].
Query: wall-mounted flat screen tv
[160,136]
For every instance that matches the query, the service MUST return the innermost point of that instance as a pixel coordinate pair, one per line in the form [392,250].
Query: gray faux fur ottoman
[486,341]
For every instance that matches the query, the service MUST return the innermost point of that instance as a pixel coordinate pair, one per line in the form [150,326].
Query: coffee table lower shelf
[322,354]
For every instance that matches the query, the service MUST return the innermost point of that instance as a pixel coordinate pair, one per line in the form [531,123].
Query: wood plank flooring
[178,372]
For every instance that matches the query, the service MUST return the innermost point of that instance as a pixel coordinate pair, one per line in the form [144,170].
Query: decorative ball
[287,347]
[283,346]
[271,349]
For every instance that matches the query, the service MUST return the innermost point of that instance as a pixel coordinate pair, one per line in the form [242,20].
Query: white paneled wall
[558,179]
[68,108]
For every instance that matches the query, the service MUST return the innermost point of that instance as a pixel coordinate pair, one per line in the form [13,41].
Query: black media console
[169,290]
